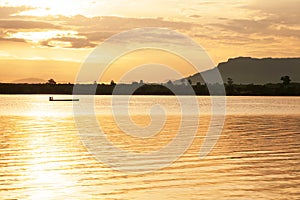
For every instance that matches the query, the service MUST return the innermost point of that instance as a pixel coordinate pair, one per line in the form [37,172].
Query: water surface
[256,157]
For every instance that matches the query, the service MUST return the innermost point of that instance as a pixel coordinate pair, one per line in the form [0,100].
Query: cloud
[92,39]
[159,37]
[97,36]
[117,24]
[3,38]
[68,42]
[280,11]
[237,39]
[97,29]
[271,21]
[244,26]
[12,40]
[195,16]
[94,29]
[265,27]
[278,18]
[23,24]
[6,12]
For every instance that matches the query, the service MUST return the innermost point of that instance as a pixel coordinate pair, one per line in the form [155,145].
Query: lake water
[256,157]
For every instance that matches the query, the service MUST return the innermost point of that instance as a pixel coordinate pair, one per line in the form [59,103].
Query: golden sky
[50,39]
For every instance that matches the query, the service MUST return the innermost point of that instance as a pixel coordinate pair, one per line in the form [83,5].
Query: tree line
[51,87]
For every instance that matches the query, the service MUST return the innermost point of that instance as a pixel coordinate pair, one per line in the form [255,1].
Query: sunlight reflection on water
[257,156]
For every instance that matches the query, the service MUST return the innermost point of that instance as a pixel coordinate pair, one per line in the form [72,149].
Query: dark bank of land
[242,76]
[279,89]
[247,70]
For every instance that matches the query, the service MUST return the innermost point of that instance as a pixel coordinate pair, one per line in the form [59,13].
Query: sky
[51,39]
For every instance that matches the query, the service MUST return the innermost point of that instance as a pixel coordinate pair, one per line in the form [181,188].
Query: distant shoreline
[279,89]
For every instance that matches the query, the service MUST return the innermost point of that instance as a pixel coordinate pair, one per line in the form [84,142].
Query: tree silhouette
[182,81]
[229,81]
[112,82]
[190,81]
[51,81]
[275,89]
[229,87]
[285,80]
[170,83]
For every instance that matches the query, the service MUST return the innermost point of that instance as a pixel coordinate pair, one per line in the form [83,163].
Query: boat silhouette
[52,99]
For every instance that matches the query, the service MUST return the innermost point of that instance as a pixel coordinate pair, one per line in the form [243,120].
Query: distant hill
[246,70]
[30,80]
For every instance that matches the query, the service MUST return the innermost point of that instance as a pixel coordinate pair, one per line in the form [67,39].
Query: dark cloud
[3,37]
[12,40]
[149,36]
[273,19]
[237,39]
[97,29]
[195,16]
[91,31]
[22,24]
[244,26]
[279,11]
[74,42]
[265,27]
[97,35]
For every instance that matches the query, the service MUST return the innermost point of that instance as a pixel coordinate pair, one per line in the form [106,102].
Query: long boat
[51,99]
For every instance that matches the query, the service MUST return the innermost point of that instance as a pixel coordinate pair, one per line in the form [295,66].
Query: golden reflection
[45,170]
[42,158]
[136,144]
[43,108]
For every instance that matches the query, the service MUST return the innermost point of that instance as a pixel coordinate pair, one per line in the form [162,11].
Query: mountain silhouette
[247,70]
[30,80]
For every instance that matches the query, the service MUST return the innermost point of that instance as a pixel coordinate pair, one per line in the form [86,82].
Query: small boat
[51,99]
